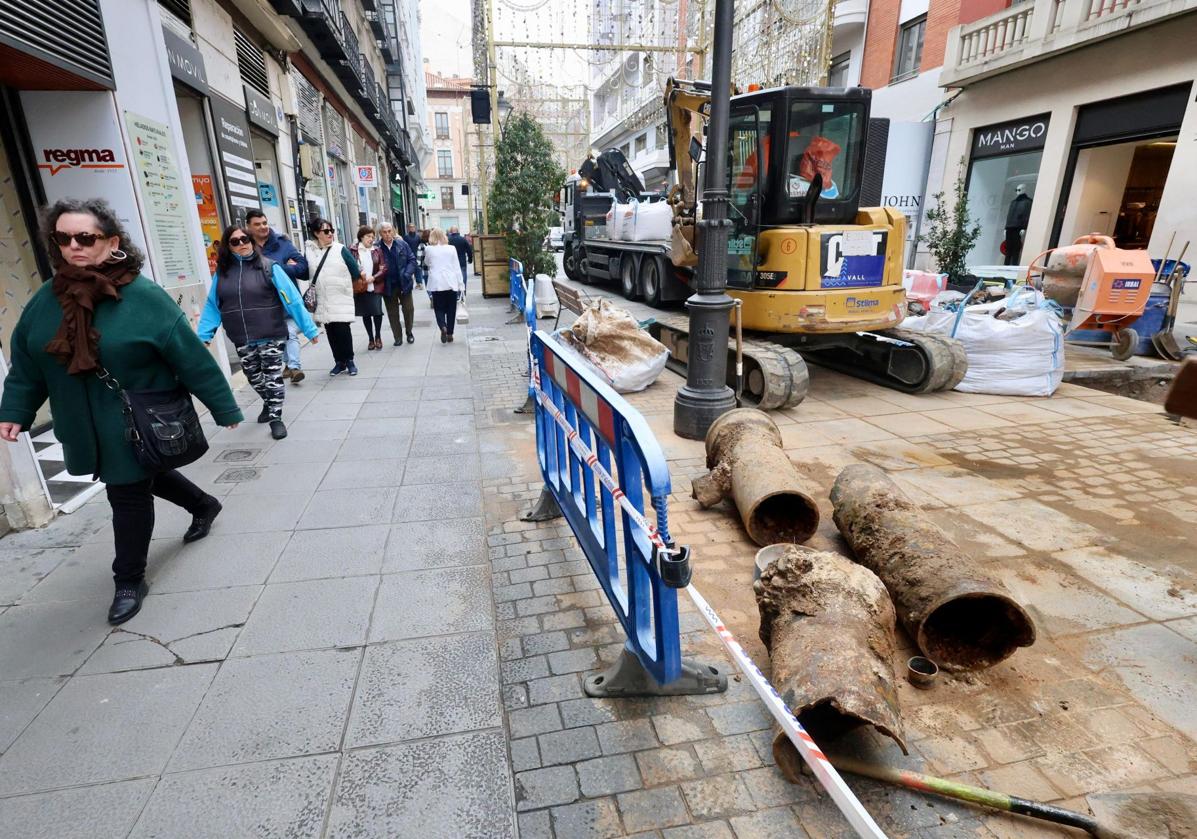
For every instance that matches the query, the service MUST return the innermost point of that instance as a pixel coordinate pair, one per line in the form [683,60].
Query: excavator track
[775,376]
[902,359]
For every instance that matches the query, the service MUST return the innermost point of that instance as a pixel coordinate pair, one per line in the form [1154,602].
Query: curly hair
[106,220]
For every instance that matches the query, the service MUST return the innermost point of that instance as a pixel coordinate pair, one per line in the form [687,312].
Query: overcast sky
[446,29]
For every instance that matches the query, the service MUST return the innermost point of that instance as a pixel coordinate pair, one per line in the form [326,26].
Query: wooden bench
[570,298]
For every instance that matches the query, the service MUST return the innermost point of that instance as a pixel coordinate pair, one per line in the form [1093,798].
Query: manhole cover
[234,476]
[237,455]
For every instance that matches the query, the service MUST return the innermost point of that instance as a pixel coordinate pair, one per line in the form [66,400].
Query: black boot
[265,415]
[127,601]
[201,522]
[277,430]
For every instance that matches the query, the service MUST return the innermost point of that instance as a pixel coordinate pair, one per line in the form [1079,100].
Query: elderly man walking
[399,281]
[465,253]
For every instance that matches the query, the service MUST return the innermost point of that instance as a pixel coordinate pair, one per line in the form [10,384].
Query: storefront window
[1002,187]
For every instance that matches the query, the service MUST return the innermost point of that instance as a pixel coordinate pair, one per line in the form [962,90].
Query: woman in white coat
[333,271]
[444,280]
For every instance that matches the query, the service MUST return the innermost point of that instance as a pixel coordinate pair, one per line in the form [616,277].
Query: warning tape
[839,791]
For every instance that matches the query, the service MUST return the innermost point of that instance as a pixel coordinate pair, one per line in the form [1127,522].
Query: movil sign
[56,160]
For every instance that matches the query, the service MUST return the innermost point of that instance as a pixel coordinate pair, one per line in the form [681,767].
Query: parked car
[555,241]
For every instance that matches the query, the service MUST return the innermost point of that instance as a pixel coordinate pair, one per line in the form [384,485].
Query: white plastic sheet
[611,341]
[1022,357]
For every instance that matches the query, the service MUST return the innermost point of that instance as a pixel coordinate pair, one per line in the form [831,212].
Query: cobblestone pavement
[372,644]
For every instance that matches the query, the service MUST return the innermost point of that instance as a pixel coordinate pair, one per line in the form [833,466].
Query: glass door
[748,151]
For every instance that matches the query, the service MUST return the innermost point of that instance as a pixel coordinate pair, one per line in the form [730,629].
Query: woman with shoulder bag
[368,290]
[99,341]
[333,272]
[252,297]
[444,281]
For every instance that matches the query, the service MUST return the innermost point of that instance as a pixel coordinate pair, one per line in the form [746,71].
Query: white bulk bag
[653,222]
[611,341]
[1022,357]
[625,221]
[546,299]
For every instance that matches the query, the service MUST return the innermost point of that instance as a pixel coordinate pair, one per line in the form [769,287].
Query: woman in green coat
[100,309]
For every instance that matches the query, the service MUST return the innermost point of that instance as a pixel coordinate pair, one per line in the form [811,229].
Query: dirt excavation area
[1082,505]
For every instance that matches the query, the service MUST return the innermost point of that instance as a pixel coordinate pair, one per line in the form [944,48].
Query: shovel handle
[966,792]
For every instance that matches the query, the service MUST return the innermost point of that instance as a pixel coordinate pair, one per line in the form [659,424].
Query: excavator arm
[685,100]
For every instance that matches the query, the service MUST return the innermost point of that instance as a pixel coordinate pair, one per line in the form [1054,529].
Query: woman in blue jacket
[251,296]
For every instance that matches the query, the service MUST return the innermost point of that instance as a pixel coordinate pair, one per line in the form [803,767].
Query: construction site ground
[1083,503]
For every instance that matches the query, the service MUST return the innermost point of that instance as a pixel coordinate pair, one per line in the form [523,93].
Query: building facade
[184,115]
[451,195]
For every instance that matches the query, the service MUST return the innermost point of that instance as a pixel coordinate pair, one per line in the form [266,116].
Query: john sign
[1028,134]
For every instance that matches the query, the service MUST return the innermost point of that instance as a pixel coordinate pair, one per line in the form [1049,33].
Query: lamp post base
[705,397]
[695,411]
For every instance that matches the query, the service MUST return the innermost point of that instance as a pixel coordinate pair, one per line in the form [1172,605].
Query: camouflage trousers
[263,367]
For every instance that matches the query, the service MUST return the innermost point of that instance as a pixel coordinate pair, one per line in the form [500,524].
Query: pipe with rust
[828,624]
[960,616]
[749,466]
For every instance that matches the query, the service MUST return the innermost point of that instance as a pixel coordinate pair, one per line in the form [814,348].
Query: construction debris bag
[651,222]
[611,341]
[621,222]
[1019,357]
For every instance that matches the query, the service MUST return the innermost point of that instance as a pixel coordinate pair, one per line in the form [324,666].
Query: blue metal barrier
[515,275]
[523,301]
[619,548]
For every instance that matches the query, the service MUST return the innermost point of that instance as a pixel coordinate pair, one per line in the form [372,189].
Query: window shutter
[70,32]
[251,62]
[309,107]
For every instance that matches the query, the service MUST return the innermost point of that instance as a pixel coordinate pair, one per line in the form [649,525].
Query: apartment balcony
[322,21]
[1033,31]
[849,14]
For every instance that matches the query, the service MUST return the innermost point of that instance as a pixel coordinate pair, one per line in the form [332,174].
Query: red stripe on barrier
[573,387]
[606,420]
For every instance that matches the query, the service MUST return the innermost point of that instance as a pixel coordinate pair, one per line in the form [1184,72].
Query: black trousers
[1013,246]
[340,339]
[373,326]
[133,518]
[445,305]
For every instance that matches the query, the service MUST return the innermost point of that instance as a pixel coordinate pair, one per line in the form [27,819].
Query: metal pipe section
[706,396]
[748,465]
[961,617]
[828,624]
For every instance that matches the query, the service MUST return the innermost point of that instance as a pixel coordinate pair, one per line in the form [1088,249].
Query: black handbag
[309,296]
[162,426]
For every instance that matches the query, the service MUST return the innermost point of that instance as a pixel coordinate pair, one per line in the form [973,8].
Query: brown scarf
[77,344]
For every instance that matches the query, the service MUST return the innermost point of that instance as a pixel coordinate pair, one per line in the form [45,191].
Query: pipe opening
[783,517]
[975,631]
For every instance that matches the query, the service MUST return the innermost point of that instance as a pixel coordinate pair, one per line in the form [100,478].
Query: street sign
[365,175]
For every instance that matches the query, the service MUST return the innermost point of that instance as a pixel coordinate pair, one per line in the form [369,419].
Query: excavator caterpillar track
[902,359]
[775,376]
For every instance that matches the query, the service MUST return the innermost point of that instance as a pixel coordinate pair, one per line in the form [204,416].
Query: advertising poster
[236,156]
[209,216]
[166,201]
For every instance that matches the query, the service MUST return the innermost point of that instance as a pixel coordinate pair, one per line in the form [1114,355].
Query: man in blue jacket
[400,279]
[465,252]
[413,241]
[280,250]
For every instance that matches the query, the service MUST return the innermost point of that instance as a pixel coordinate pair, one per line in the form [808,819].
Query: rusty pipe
[828,624]
[961,617]
[749,466]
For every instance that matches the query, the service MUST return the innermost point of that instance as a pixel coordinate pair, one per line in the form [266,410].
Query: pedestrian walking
[367,291]
[465,254]
[444,281]
[280,249]
[415,242]
[333,271]
[100,313]
[399,282]
[252,297]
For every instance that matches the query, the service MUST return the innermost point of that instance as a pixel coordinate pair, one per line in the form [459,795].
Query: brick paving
[372,644]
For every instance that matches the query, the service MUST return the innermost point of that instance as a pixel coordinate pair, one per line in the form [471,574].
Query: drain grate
[237,455]
[236,476]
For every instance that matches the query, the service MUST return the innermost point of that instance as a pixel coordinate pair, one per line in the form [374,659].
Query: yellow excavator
[815,274]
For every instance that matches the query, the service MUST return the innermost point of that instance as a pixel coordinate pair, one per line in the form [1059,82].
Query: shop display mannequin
[1017,216]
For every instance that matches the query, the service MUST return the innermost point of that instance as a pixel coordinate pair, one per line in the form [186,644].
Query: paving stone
[503,594]
[424,688]
[103,811]
[545,642]
[608,775]
[769,788]
[545,787]
[528,575]
[283,799]
[653,808]
[245,717]
[525,722]
[333,508]
[668,765]
[366,448]
[22,569]
[588,711]
[360,474]
[20,702]
[525,670]
[726,754]
[82,735]
[337,552]
[568,746]
[739,718]
[717,797]
[554,689]
[525,754]
[433,602]
[681,728]
[456,787]
[706,830]
[309,615]
[51,639]
[626,736]
[217,561]
[573,661]
[435,502]
[560,585]
[597,819]
[452,541]
[535,825]
[775,823]
[436,470]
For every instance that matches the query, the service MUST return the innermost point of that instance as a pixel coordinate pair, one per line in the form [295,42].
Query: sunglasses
[85,240]
[327,230]
[237,241]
